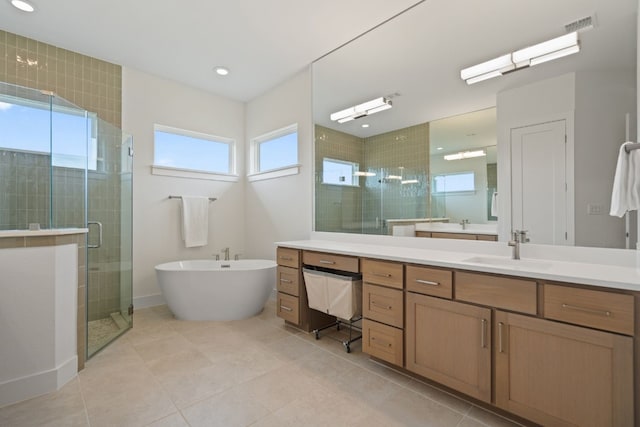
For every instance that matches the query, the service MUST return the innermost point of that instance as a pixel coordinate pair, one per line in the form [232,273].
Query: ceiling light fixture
[365,125]
[465,155]
[221,71]
[361,110]
[529,56]
[23,5]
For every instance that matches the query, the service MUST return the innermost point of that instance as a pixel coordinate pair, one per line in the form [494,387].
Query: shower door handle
[99,224]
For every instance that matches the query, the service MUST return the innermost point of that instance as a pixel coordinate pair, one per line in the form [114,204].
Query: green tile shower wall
[26,179]
[356,209]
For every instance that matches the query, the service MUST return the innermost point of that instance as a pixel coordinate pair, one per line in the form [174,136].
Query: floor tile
[228,409]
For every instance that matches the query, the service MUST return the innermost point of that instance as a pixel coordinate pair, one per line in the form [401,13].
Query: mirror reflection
[545,137]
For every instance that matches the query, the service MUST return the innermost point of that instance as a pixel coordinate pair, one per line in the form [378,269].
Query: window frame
[460,192]
[255,174]
[184,172]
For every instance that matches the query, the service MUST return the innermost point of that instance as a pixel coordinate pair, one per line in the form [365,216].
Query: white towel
[195,220]
[626,184]
[494,204]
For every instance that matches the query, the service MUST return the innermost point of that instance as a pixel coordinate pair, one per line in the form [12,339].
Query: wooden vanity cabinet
[383,310]
[291,303]
[562,375]
[449,342]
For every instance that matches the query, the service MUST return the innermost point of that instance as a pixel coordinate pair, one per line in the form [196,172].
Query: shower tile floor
[255,372]
[100,332]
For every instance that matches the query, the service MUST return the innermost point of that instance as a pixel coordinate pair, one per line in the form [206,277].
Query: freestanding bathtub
[216,290]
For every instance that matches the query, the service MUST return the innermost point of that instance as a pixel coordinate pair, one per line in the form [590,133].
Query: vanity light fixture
[23,5]
[529,56]
[361,110]
[465,155]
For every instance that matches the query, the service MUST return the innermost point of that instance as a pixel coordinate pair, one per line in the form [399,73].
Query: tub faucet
[517,237]
[225,251]
[464,223]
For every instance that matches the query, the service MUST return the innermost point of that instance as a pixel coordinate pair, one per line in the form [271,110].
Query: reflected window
[193,151]
[454,182]
[339,172]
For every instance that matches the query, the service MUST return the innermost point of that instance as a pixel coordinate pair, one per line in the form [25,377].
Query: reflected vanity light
[465,155]
[558,47]
[361,173]
[361,110]
[397,177]
[409,181]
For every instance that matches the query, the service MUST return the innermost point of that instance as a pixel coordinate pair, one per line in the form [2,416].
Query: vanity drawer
[288,308]
[288,257]
[332,261]
[487,237]
[383,304]
[383,273]
[288,280]
[597,309]
[382,341]
[501,292]
[430,281]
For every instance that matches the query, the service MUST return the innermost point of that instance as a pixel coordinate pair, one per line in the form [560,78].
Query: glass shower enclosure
[63,167]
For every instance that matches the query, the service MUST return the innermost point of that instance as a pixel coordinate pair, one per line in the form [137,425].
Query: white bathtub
[216,290]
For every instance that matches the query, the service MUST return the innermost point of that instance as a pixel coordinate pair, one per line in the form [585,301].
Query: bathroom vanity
[552,342]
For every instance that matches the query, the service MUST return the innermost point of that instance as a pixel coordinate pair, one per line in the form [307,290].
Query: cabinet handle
[286,281]
[286,258]
[322,261]
[483,333]
[500,325]
[383,306]
[285,308]
[587,310]
[382,344]
[381,274]
[427,282]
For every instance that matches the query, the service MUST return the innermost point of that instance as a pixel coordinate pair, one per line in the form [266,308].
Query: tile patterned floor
[255,372]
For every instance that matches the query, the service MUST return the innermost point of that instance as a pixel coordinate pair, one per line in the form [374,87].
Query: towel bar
[211,199]
[630,147]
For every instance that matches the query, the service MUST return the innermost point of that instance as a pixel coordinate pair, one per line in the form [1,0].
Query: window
[197,154]
[339,172]
[39,128]
[454,182]
[275,151]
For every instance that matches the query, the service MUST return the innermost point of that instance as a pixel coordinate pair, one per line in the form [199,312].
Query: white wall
[281,208]
[148,99]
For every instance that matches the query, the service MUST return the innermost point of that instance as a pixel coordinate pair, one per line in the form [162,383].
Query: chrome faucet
[225,251]
[517,237]
[464,223]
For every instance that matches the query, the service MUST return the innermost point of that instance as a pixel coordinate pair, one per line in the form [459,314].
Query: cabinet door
[563,375]
[450,342]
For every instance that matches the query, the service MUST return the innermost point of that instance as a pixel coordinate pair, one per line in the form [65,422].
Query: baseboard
[19,389]
[148,301]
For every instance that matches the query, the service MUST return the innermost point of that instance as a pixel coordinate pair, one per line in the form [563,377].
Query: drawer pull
[285,308]
[382,343]
[286,258]
[286,281]
[587,310]
[381,274]
[500,349]
[427,282]
[324,261]
[483,333]
[383,306]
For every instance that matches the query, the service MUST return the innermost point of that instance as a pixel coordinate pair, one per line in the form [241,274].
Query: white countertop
[448,227]
[607,276]
[42,232]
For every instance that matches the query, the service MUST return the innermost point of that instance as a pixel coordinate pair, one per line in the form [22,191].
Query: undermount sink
[509,262]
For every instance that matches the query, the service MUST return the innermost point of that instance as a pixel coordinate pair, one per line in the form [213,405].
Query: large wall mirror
[532,149]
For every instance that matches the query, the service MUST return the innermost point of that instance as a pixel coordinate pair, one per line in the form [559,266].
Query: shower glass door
[109,247]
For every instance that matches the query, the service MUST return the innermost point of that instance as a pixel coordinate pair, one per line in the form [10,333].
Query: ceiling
[263,43]
[417,57]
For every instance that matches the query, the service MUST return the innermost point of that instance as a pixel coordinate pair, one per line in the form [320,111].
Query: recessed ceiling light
[23,5]
[221,71]
[365,125]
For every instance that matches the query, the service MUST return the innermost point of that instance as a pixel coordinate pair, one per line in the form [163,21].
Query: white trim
[274,173]
[147,301]
[194,174]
